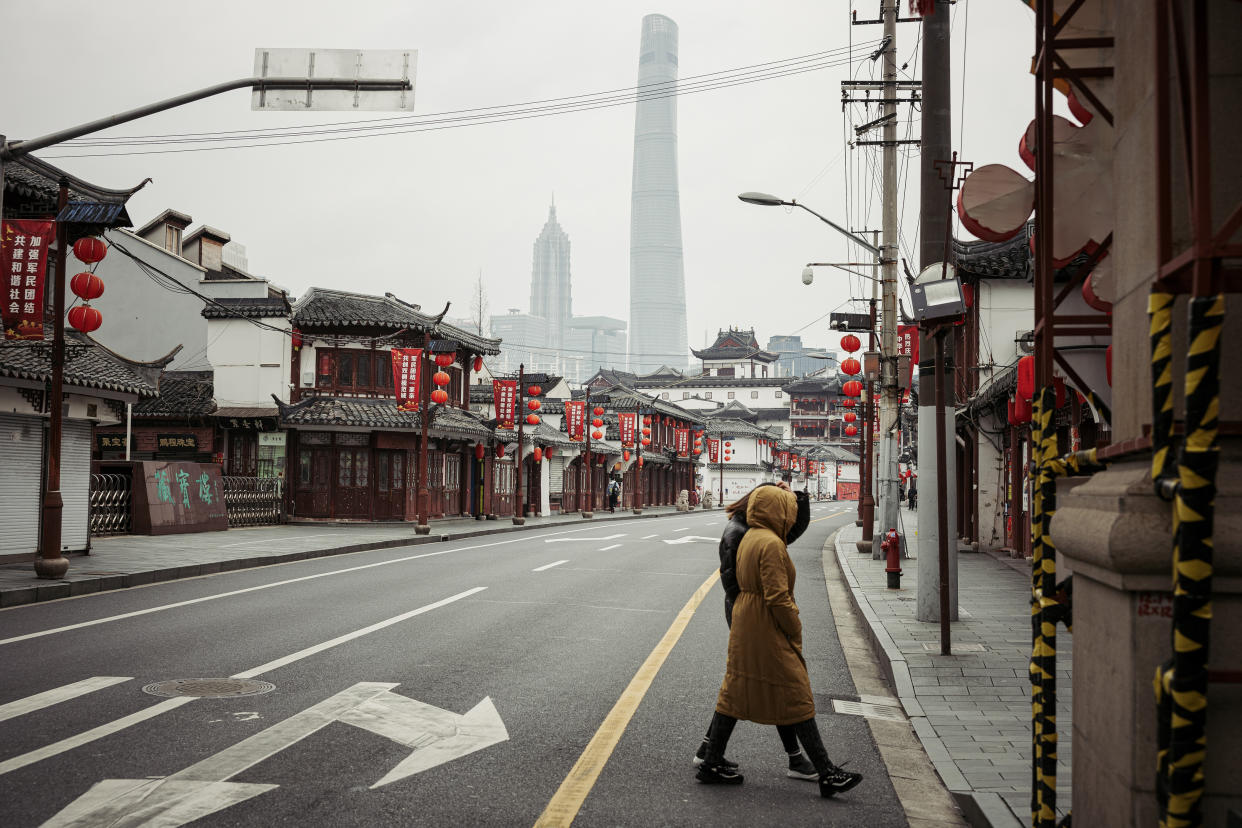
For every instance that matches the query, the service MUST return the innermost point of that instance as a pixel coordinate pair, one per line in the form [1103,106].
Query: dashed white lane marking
[606,548]
[60,694]
[682,529]
[72,742]
[548,566]
[648,537]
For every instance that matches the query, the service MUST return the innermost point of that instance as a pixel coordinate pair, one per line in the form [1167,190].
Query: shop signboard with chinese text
[575,419]
[683,442]
[713,450]
[908,345]
[628,423]
[172,498]
[504,396]
[407,366]
[176,442]
[23,261]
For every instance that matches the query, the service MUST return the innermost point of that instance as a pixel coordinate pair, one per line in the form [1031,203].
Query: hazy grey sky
[421,213]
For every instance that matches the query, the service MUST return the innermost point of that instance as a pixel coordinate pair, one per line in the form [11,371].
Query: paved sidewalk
[971,710]
[133,560]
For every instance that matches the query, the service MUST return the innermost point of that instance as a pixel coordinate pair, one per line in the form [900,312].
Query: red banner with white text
[504,396]
[575,419]
[406,367]
[24,253]
[784,460]
[683,442]
[629,426]
[713,450]
[908,344]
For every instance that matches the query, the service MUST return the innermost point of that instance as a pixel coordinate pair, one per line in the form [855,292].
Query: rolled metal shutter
[21,478]
[556,474]
[75,485]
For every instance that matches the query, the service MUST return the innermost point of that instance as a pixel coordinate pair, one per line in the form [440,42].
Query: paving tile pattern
[971,710]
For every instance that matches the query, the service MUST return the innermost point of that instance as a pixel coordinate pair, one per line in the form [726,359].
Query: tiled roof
[714,382]
[320,308]
[33,186]
[817,385]
[181,394]
[734,410]
[735,428]
[264,307]
[87,365]
[622,398]
[380,414]
[608,376]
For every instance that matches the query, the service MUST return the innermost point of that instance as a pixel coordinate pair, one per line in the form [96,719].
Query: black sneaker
[721,774]
[801,768]
[700,756]
[837,780]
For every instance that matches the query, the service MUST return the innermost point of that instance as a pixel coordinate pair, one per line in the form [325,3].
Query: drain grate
[934,646]
[868,710]
[209,688]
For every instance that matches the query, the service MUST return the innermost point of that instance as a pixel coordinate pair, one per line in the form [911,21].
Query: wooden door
[451,492]
[313,489]
[435,483]
[389,485]
[353,483]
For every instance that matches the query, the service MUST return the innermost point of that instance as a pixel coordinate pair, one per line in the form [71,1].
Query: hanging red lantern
[85,318]
[534,391]
[597,435]
[851,366]
[549,451]
[850,430]
[597,422]
[439,396]
[640,462]
[440,378]
[296,339]
[625,455]
[479,451]
[698,451]
[647,420]
[850,343]
[90,249]
[728,444]
[533,405]
[537,454]
[445,360]
[500,449]
[853,388]
[478,364]
[646,441]
[646,432]
[850,416]
[87,285]
[532,419]
[848,404]
[598,411]
[1026,377]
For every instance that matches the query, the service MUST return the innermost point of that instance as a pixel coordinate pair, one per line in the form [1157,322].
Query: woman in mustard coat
[766,680]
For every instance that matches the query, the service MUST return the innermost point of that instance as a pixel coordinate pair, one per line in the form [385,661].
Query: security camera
[808,275]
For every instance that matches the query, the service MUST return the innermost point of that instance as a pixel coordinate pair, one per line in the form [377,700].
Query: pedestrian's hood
[771,507]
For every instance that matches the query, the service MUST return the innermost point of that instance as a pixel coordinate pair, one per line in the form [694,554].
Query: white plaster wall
[992,485]
[1006,308]
[251,363]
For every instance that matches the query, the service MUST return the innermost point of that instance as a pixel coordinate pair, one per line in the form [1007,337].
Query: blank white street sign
[351,64]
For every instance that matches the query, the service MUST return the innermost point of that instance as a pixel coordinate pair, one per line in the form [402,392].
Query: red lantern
[850,416]
[439,396]
[549,451]
[848,404]
[646,441]
[850,343]
[1026,377]
[728,444]
[445,360]
[597,435]
[532,419]
[500,449]
[534,391]
[90,250]
[853,388]
[533,405]
[479,451]
[646,432]
[625,455]
[87,285]
[698,451]
[850,430]
[296,339]
[85,318]
[597,422]
[851,366]
[478,364]
[598,411]
[647,420]
[537,454]
[440,378]
[640,462]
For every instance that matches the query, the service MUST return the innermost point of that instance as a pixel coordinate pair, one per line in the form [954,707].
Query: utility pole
[934,224]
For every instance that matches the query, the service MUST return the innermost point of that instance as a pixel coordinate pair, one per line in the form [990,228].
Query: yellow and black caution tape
[1181,683]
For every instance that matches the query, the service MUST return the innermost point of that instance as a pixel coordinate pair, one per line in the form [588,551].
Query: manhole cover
[870,711]
[209,688]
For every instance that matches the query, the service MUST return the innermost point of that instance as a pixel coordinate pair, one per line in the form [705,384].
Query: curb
[73,586]
[981,809]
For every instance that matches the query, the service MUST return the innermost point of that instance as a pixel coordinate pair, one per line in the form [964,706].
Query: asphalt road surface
[541,678]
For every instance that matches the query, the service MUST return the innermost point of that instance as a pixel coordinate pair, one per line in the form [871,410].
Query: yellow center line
[568,799]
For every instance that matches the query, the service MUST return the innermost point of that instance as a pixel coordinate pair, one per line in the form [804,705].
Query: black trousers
[806,732]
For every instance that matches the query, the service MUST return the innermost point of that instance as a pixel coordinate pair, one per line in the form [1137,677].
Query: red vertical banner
[24,247]
[784,460]
[908,344]
[683,442]
[575,419]
[406,376]
[713,450]
[504,396]
[629,424]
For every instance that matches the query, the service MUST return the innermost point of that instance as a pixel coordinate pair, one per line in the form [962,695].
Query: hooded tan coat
[766,679]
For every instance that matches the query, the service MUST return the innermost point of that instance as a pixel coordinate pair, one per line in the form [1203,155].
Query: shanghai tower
[657,281]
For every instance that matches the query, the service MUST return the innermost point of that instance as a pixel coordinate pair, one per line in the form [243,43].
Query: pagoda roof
[735,343]
[324,308]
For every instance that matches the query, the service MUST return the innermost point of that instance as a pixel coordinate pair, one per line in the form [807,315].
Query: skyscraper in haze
[657,281]
[550,295]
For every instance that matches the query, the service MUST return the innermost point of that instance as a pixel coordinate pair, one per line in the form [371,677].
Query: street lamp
[765,200]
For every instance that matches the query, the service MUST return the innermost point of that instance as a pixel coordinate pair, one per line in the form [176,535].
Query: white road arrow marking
[689,538]
[56,696]
[580,540]
[548,566]
[437,736]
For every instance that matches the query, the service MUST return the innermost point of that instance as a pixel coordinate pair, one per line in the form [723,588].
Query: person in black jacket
[800,767]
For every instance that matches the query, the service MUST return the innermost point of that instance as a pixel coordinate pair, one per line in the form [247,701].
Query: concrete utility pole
[934,226]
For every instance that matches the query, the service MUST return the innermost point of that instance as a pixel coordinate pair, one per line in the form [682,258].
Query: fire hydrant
[891,547]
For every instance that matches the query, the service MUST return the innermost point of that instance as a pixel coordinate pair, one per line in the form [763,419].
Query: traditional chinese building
[736,353]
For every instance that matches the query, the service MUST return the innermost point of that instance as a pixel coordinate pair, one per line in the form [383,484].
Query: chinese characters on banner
[23,261]
[795,463]
[406,377]
[628,425]
[575,419]
[908,344]
[504,395]
[713,450]
[784,460]
[683,442]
